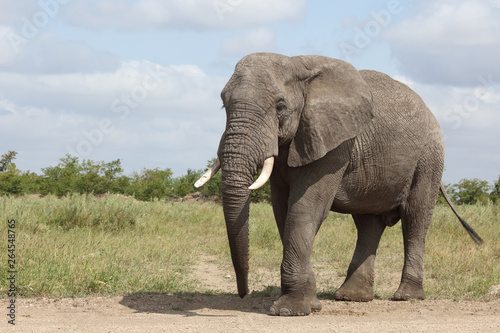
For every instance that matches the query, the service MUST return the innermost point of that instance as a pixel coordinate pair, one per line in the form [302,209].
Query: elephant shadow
[196,304]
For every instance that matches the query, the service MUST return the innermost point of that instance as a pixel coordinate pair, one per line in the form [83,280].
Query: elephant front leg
[310,198]
[358,285]
[298,283]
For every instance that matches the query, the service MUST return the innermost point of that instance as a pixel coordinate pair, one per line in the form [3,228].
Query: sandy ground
[225,312]
[203,313]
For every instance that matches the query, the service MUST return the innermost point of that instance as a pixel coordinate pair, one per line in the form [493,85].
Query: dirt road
[227,313]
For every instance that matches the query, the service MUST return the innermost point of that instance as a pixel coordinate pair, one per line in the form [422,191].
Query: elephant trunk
[236,206]
[243,149]
[237,176]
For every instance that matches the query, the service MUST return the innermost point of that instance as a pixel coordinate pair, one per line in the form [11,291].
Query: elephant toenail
[285,312]
[272,311]
[396,297]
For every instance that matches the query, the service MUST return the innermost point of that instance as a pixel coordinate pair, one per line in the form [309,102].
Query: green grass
[81,245]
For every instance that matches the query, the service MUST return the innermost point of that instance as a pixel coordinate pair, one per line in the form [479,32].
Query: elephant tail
[473,234]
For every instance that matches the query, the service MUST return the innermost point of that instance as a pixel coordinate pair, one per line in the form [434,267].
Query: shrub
[470,191]
[71,176]
[495,194]
[184,185]
[151,184]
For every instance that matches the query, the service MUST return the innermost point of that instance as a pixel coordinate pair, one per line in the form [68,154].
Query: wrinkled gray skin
[344,140]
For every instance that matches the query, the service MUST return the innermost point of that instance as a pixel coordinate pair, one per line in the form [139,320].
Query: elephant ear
[338,107]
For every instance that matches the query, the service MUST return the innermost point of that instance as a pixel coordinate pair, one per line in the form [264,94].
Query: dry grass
[86,246]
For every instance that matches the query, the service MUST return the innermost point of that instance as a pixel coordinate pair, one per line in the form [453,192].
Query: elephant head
[308,105]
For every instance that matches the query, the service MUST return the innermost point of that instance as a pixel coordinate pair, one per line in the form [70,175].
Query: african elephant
[330,138]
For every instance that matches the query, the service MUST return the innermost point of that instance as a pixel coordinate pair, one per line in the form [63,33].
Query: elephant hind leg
[358,285]
[416,216]
[414,233]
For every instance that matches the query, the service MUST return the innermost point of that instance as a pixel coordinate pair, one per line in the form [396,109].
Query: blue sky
[140,80]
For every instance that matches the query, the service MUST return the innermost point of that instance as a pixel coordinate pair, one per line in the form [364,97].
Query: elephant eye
[281,107]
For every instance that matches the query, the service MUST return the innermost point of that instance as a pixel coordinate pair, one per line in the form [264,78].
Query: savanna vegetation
[84,245]
[73,243]
[72,176]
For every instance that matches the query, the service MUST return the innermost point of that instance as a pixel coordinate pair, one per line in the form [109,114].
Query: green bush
[470,191]
[71,176]
[184,185]
[10,179]
[495,194]
[151,184]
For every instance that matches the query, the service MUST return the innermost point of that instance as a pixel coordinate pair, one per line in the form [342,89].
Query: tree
[10,179]
[61,179]
[470,191]
[151,183]
[98,177]
[30,182]
[495,194]
[6,163]
[184,185]
[71,176]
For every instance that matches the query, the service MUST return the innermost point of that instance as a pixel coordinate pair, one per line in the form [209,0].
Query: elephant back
[399,112]
[402,132]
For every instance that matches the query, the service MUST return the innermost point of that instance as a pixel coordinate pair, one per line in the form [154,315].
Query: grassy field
[82,245]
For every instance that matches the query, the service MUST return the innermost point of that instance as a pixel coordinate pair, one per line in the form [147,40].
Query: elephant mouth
[267,169]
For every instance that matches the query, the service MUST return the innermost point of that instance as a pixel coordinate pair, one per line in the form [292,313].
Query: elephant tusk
[267,169]
[208,175]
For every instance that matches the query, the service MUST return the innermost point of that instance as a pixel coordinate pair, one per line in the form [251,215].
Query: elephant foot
[356,288]
[290,306]
[410,288]
[353,295]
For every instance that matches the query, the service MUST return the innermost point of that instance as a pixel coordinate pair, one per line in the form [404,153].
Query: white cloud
[475,108]
[8,54]
[259,40]
[145,80]
[6,105]
[49,54]
[469,119]
[449,42]
[144,14]
[451,22]
[12,11]
[144,113]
